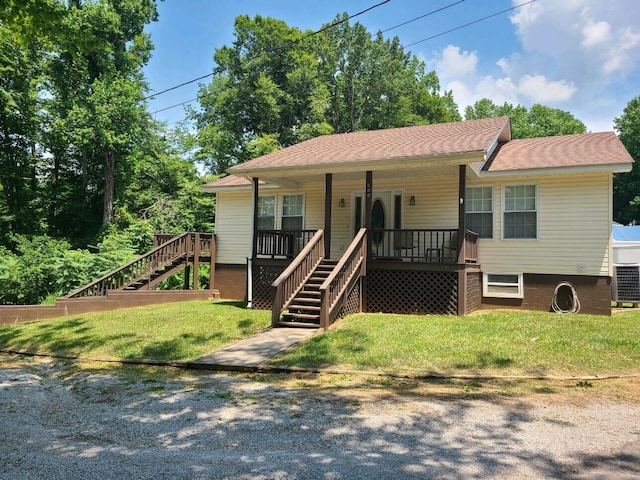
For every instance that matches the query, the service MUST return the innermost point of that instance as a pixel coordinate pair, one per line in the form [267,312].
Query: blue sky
[582,56]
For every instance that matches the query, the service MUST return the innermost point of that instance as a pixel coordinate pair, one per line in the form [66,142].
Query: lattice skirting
[352,305]
[412,292]
[474,291]
[263,278]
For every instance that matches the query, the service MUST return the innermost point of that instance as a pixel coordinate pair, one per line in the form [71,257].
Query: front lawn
[491,342]
[170,332]
[495,342]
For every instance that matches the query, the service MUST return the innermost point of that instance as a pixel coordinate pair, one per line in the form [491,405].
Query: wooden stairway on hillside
[304,310]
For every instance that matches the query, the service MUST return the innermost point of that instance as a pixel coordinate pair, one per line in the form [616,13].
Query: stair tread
[309,316]
[298,324]
[312,308]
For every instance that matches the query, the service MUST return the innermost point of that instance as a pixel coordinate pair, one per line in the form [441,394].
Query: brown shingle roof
[582,150]
[228,181]
[394,143]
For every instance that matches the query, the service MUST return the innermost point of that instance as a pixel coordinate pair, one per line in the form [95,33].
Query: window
[520,215]
[479,211]
[267,213]
[503,285]
[292,212]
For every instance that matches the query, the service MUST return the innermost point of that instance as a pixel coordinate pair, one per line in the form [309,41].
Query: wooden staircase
[304,310]
[156,276]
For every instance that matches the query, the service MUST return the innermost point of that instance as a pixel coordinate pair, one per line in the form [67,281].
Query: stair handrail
[292,279]
[136,269]
[351,265]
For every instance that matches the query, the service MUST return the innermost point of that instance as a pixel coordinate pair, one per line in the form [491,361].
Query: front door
[384,216]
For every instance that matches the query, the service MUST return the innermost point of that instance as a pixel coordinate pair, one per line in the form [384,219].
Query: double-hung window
[293,212]
[267,213]
[520,212]
[479,211]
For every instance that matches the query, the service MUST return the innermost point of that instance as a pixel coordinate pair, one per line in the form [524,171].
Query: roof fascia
[613,168]
[235,188]
[359,166]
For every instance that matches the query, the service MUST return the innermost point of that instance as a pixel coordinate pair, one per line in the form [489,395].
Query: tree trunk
[109,182]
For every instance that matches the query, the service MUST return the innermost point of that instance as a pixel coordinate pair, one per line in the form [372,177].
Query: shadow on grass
[321,351]
[485,360]
[65,336]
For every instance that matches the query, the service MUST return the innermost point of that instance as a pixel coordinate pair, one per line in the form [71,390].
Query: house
[443,218]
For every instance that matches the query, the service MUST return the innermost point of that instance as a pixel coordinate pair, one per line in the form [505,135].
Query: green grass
[176,331]
[492,342]
[497,342]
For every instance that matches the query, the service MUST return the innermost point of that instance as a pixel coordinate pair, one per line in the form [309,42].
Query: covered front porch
[396,270]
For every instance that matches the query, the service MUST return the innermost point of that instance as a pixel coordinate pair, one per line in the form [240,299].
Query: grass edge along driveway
[488,342]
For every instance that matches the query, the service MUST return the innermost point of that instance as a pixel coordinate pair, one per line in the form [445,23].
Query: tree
[21,67]
[95,113]
[626,187]
[539,121]
[276,86]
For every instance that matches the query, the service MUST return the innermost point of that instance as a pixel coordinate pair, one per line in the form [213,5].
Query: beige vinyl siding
[573,211]
[436,205]
[234,218]
[574,228]
[233,226]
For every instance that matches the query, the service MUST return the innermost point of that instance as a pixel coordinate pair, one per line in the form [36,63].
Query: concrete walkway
[250,353]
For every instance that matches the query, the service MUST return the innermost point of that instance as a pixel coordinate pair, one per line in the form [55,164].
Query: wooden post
[328,197]
[254,240]
[187,277]
[368,205]
[462,291]
[212,262]
[196,260]
[462,224]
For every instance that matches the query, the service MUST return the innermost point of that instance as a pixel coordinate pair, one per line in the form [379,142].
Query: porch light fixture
[412,200]
[341,203]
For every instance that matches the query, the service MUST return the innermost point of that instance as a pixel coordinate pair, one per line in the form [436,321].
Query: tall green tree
[538,121]
[20,76]
[626,187]
[276,86]
[95,113]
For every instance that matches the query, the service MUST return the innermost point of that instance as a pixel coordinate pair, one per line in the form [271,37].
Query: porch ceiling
[295,179]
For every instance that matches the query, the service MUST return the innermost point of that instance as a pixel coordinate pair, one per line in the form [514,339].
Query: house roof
[567,151]
[484,144]
[434,140]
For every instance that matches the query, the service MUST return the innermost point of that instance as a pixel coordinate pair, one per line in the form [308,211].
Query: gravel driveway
[59,422]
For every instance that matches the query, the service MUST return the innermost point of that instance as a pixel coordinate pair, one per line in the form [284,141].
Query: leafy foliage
[626,187]
[538,121]
[276,86]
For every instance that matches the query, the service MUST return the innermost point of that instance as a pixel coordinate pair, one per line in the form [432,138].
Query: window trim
[281,210]
[492,212]
[275,211]
[486,283]
[536,211]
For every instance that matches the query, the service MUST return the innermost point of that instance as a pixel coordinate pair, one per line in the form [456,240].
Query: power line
[422,16]
[264,54]
[470,23]
[386,30]
[314,33]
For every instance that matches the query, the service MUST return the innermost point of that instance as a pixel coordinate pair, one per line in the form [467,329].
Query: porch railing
[351,266]
[293,278]
[471,246]
[422,245]
[142,267]
[282,243]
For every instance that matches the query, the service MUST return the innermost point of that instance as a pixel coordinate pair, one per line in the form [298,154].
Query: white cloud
[595,33]
[540,90]
[582,56]
[456,63]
